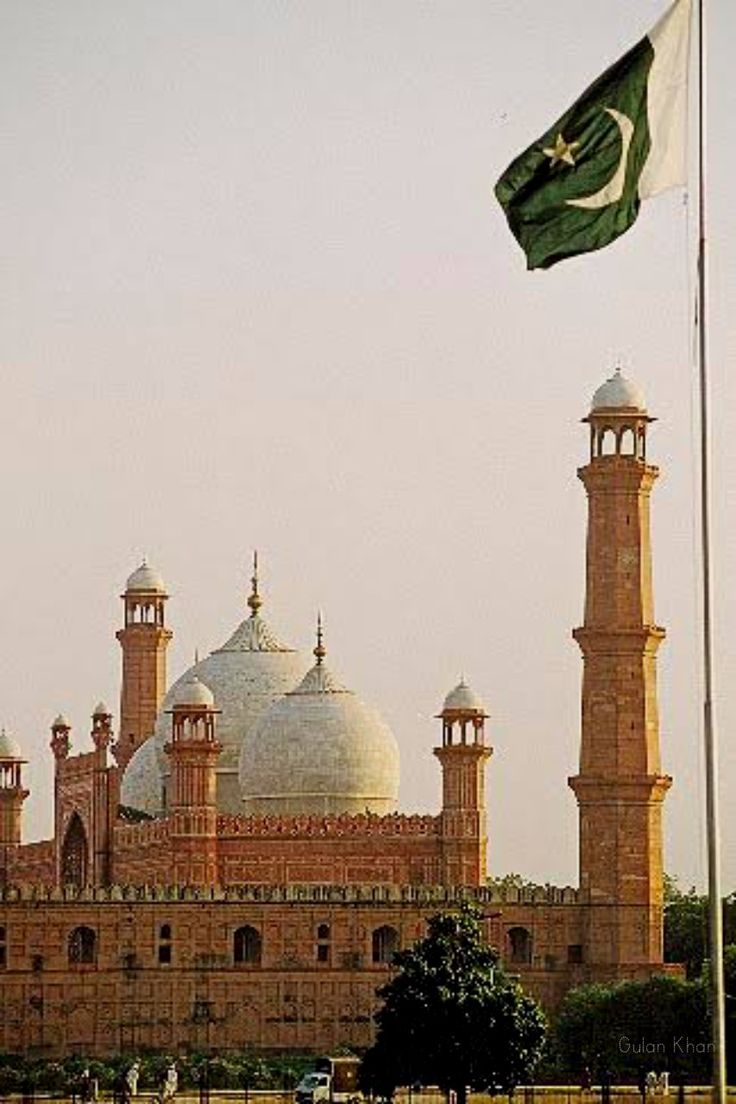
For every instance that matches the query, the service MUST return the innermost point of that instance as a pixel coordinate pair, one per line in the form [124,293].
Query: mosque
[229,869]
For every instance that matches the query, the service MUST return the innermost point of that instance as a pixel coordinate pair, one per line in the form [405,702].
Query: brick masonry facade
[202,929]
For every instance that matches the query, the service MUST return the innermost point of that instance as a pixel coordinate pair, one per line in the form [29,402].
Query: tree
[510,881]
[661,1023]
[451,1017]
[686,926]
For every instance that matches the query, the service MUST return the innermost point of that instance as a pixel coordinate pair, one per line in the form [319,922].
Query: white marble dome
[250,671]
[320,750]
[142,785]
[146,580]
[9,748]
[463,698]
[618,392]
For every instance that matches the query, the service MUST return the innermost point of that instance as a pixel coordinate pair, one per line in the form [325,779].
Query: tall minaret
[620,786]
[463,757]
[12,796]
[144,640]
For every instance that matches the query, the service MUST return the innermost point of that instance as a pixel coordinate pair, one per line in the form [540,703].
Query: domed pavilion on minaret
[229,866]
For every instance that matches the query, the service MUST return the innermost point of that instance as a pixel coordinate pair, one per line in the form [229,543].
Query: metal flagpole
[709,725]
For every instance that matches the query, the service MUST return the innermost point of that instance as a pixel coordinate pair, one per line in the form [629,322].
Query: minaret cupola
[12,793]
[101,727]
[463,717]
[618,420]
[60,738]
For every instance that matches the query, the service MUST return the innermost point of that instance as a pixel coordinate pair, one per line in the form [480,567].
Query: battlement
[346,824]
[439,896]
[78,766]
[129,834]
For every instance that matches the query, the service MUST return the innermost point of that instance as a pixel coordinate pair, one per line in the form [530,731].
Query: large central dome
[249,672]
[320,749]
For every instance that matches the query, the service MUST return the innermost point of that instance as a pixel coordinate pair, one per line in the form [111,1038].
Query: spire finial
[196,656]
[254,599]
[320,651]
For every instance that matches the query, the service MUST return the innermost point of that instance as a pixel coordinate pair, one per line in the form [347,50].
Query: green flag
[581,184]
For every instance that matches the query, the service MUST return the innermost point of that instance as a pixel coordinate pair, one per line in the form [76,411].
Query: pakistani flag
[579,187]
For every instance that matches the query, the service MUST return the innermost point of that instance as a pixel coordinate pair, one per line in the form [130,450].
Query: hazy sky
[255,292]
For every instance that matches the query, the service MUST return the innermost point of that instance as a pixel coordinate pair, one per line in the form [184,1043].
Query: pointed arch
[520,946]
[75,853]
[82,946]
[247,946]
[385,944]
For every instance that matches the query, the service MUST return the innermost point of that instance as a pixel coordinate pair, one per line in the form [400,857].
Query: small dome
[101,710]
[463,698]
[617,393]
[146,579]
[61,722]
[9,748]
[193,692]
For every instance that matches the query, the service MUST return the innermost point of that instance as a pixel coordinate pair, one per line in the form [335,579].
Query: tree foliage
[510,881]
[631,1026]
[451,1017]
[233,1070]
[686,926]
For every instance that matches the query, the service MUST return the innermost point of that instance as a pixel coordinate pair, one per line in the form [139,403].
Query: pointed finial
[254,599]
[320,651]
[196,656]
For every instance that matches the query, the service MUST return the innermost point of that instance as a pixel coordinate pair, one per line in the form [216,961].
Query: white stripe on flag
[667,102]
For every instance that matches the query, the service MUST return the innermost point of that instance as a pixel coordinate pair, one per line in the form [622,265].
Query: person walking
[170,1084]
[131,1079]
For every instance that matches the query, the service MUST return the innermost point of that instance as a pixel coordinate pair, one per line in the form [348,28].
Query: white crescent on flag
[614,189]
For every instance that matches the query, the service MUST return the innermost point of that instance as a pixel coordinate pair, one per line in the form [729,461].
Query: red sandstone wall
[363,849]
[391,850]
[32,864]
[127,999]
[142,854]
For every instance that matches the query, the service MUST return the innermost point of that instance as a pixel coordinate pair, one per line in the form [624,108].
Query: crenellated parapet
[346,824]
[141,833]
[434,896]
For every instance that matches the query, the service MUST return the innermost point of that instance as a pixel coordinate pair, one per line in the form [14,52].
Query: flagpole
[709,724]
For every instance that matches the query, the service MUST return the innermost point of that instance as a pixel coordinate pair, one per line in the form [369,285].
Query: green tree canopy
[659,1024]
[451,1017]
[686,926]
[510,881]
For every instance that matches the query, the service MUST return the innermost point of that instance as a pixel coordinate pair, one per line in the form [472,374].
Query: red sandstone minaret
[12,796]
[144,641]
[463,757]
[620,786]
[194,752]
[105,796]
